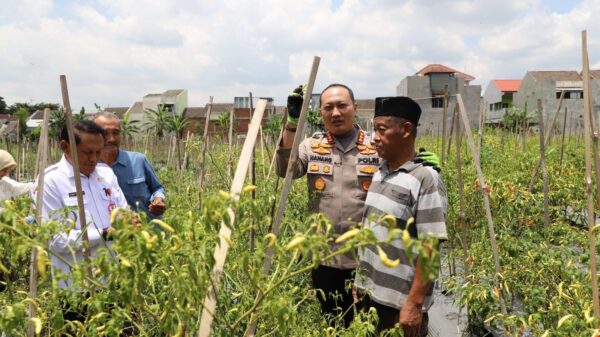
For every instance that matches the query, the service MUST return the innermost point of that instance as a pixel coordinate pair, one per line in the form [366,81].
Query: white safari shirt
[11,189]
[101,194]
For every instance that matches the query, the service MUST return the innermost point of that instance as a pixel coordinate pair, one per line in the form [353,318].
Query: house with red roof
[498,98]
[428,87]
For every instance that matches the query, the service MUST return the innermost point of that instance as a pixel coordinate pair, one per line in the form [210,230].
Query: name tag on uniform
[74,194]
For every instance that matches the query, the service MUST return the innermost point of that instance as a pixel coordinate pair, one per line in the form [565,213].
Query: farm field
[160,283]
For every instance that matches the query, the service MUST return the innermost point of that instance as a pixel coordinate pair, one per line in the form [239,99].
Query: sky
[115,52]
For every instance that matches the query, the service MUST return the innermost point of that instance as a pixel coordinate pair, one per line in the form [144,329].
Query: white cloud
[114,52]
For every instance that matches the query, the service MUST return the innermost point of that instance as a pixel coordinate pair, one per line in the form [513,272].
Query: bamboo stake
[486,200]
[543,162]
[41,163]
[562,143]
[454,115]
[220,254]
[169,151]
[178,148]
[252,173]
[230,152]
[76,172]
[444,118]
[524,127]
[588,172]
[284,119]
[146,144]
[287,183]
[461,193]
[18,173]
[481,123]
[204,144]
[253,159]
[546,141]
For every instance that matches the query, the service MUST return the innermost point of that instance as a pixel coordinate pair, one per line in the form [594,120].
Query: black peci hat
[398,106]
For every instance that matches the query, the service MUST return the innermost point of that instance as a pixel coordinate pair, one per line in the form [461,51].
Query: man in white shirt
[101,194]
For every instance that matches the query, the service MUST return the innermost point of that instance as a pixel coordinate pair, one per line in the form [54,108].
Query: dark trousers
[389,317]
[79,314]
[337,300]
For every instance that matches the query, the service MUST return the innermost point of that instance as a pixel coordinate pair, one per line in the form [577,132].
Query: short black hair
[350,92]
[82,126]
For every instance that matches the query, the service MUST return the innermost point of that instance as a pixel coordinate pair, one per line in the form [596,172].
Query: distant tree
[176,124]
[273,126]
[32,108]
[22,114]
[313,118]
[98,107]
[157,121]
[129,127]
[80,116]
[56,123]
[223,121]
[2,105]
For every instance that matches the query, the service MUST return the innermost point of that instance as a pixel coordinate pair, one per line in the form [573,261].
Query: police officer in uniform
[340,164]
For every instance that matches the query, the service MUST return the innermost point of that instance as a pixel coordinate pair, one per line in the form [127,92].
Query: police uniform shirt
[338,180]
[101,194]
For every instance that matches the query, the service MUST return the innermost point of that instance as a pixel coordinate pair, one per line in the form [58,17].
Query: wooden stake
[444,121]
[486,201]
[543,162]
[562,142]
[18,173]
[220,254]
[587,115]
[481,123]
[76,172]
[452,126]
[546,142]
[461,193]
[40,167]
[252,173]
[287,183]
[253,159]
[204,144]
[284,119]
[230,153]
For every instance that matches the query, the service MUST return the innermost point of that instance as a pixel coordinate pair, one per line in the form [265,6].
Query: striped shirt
[412,190]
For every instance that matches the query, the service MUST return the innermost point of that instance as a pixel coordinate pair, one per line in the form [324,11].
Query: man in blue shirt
[136,176]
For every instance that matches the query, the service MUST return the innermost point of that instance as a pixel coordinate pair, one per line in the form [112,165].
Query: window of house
[437,102]
[491,107]
[570,94]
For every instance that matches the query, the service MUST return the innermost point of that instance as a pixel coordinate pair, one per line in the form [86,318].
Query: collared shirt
[338,179]
[137,180]
[101,194]
[10,188]
[412,190]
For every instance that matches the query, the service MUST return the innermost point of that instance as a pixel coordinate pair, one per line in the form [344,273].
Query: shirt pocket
[73,213]
[137,188]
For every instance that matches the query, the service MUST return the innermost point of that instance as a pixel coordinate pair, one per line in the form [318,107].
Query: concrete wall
[545,89]
[418,88]
[181,102]
[492,95]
